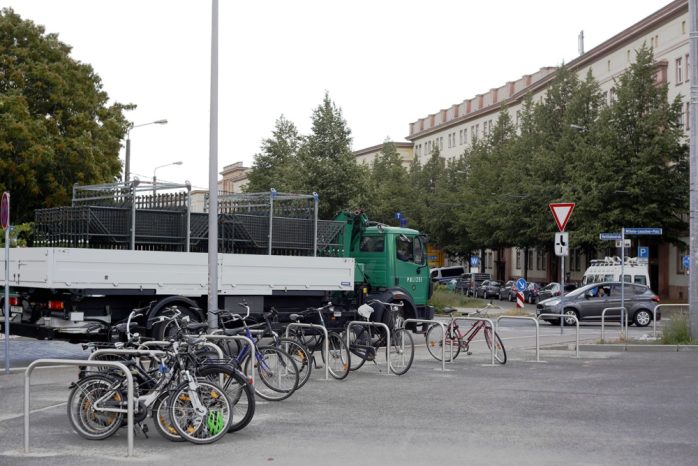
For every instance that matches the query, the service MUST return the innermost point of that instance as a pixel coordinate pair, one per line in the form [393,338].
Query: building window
[577,259]
[460,137]
[686,74]
[612,96]
[687,107]
[679,71]
[465,136]
[683,27]
[518,259]
[608,65]
[530,259]
[441,143]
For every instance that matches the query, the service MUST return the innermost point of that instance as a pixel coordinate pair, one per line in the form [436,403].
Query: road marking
[15,416]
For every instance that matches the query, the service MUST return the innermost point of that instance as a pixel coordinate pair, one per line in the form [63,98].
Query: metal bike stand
[72,362]
[491,324]
[534,320]
[325,345]
[374,324]
[654,315]
[443,347]
[242,338]
[132,352]
[576,321]
[603,319]
[162,343]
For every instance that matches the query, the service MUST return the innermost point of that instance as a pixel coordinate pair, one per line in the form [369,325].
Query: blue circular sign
[521,284]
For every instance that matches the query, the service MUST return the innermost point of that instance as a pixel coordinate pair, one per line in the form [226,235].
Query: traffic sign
[609,236]
[562,244]
[521,284]
[562,213]
[643,231]
[619,243]
[5,210]
[643,252]
[686,262]
[474,261]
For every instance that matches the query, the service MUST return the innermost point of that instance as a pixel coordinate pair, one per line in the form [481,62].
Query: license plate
[15,310]
[338,313]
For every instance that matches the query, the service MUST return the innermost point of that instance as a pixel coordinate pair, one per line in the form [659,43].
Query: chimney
[580,42]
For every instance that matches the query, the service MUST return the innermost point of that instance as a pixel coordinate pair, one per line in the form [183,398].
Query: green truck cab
[391,264]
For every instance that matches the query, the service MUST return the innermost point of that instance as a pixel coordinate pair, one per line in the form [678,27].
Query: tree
[276,165]
[56,127]
[387,187]
[327,163]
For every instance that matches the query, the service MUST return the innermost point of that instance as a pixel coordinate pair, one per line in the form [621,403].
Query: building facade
[453,129]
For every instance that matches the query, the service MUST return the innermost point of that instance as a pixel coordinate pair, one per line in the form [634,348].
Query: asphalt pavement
[600,409]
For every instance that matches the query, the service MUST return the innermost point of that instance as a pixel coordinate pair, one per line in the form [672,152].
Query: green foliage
[387,186]
[20,235]
[442,297]
[677,331]
[276,165]
[56,127]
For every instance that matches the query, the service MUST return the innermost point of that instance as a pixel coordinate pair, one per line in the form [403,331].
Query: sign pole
[624,329]
[5,220]
[562,291]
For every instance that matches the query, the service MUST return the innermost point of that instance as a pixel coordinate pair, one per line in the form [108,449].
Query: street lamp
[155,179]
[127,164]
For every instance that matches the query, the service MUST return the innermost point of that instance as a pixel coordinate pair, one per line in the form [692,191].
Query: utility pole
[693,268]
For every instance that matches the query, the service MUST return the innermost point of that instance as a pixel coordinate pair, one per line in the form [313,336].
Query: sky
[385,63]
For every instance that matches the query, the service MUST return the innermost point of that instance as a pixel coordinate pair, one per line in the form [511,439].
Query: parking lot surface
[600,409]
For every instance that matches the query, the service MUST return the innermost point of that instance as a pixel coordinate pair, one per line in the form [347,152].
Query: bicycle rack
[72,362]
[623,313]
[654,315]
[242,338]
[325,346]
[535,321]
[491,324]
[374,324]
[576,321]
[443,347]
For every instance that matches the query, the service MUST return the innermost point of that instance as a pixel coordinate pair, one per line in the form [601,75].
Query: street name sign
[643,231]
[609,236]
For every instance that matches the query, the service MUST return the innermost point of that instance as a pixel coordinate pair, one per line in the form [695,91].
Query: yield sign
[562,213]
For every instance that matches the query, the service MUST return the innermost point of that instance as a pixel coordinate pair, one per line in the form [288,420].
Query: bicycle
[364,341]
[456,340]
[197,410]
[276,368]
[314,340]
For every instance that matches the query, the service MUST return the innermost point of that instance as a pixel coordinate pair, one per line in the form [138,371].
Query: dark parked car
[488,289]
[459,285]
[508,291]
[589,301]
[531,292]
[552,289]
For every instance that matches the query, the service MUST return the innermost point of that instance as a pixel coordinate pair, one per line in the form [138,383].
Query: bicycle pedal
[469,353]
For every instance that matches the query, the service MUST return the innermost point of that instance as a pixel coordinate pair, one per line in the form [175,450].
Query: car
[488,288]
[459,285]
[531,292]
[553,289]
[445,274]
[508,291]
[588,302]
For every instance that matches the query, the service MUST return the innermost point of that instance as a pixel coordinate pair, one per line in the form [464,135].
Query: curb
[635,348]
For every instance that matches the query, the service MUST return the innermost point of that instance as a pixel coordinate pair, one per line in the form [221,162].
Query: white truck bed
[174,273]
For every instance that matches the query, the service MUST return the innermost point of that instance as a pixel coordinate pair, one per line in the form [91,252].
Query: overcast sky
[385,63]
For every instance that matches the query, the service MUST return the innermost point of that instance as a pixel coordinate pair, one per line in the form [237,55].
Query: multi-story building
[452,130]
[404,149]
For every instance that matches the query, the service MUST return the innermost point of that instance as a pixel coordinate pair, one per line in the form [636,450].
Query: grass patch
[444,298]
[677,330]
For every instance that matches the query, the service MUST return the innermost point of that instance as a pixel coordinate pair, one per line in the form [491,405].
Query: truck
[609,269]
[123,246]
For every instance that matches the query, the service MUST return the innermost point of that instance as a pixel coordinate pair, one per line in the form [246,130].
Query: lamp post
[127,164]
[155,179]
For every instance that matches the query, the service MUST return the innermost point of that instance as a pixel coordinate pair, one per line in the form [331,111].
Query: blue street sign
[643,252]
[474,261]
[398,215]
[686,262]
[643,231]
[609,236]
[521,284]
[403,222]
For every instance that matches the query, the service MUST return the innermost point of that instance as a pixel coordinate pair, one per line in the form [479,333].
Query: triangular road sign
[562,213]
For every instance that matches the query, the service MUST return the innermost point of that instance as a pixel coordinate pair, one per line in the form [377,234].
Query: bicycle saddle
[365,311]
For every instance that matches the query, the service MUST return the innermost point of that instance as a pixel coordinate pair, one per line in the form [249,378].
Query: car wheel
[642,318]
[571,313]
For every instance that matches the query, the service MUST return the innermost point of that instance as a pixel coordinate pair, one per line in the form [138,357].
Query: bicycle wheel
[500,354]
[87,401]
[276,370]
[401,353]
[339,358]
[200,427]
[435,341]
[357,348]
[239,392]
[161,419]
[300,355]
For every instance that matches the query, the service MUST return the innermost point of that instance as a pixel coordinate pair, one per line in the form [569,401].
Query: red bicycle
[457,341]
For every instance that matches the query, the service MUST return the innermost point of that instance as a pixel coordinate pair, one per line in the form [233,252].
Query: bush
[442,297]
[677,330]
